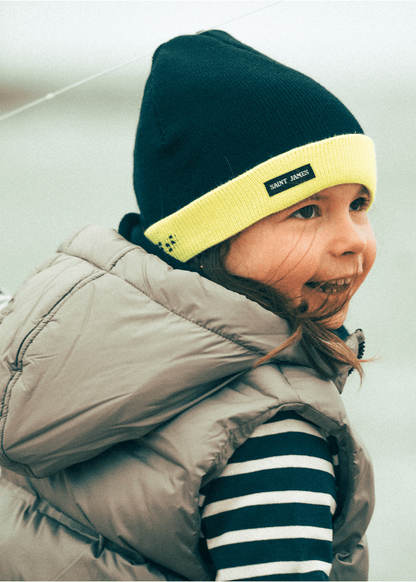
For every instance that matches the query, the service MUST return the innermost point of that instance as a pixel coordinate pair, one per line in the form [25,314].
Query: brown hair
[308,327]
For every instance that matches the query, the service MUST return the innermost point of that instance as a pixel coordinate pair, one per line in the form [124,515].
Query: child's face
[322,240]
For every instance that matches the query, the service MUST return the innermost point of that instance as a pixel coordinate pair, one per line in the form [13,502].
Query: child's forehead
[324,194]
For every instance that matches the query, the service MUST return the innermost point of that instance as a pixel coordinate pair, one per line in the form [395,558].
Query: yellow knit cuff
[267,188]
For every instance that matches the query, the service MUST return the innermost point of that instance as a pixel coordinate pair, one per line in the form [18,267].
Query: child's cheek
[370,253]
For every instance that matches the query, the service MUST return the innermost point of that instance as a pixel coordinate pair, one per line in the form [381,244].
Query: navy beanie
[227,136]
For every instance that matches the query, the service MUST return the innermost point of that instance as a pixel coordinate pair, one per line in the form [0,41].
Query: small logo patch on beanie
[289,180]
[168,245]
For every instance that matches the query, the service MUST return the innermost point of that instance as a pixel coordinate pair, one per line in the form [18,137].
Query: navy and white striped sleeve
[269,515]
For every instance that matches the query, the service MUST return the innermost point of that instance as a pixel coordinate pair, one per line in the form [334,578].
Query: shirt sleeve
[269,515]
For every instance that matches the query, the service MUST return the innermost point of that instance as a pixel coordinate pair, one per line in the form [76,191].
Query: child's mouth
[329,287]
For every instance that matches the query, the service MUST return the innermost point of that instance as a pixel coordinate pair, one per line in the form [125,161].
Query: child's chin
[316,302]
[337,320]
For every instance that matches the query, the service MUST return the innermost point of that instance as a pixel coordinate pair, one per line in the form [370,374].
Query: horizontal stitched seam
[241,344]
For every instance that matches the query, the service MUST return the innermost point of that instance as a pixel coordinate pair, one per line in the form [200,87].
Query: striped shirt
[269,515]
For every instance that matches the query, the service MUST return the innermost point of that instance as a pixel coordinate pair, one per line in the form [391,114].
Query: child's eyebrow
[316,196]
[363,191]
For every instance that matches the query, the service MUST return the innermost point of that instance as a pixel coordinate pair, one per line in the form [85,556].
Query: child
[171,403]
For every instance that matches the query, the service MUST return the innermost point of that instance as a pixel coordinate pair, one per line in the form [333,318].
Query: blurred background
[68,162]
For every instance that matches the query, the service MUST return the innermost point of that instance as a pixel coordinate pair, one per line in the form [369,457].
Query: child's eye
[361,203]
[306,212]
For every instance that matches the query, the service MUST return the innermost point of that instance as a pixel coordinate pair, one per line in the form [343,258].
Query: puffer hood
[97,292]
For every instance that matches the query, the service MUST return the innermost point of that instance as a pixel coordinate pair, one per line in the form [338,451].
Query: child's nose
[348,238]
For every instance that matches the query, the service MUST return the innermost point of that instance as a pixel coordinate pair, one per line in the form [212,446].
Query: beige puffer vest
[125,386]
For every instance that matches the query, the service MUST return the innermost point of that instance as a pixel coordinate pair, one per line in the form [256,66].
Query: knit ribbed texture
[216,118]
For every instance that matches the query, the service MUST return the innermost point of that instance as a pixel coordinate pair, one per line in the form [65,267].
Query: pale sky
[63,40]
